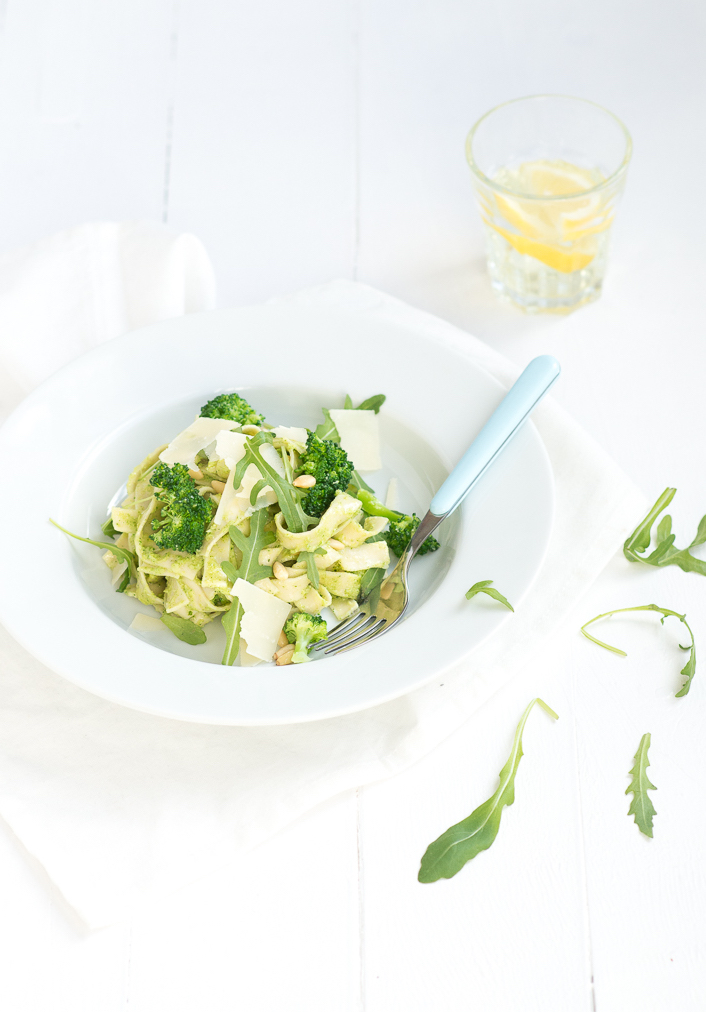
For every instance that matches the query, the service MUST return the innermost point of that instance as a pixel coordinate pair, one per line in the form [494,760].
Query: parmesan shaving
[360,437]
[262,621]
[146,624]
[291,434]
[200,434]
[228,507]
[246,660]
[118,572]
[392,497]
[230,447]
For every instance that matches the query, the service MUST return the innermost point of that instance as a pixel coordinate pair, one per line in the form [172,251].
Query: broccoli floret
[330,465]
[399,535]
[402,527]
[233,407]
[185,514]
[304,630]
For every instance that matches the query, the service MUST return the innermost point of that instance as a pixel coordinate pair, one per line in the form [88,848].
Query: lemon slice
[565,261]
[546,226]
[520,214]
[581,218]
[556,178]
[545,178]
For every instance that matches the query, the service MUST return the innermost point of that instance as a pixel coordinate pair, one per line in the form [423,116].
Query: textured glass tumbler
[548,172]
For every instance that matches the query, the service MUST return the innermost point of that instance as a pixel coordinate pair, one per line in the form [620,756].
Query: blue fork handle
[513,410]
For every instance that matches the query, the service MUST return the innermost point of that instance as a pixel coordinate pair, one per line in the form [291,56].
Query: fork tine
[342,630]
[350,631]
[368,634]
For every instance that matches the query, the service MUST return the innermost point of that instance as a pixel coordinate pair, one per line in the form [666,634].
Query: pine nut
[279,571]
[250,430]
[195,473]
[283,641]
[218,486]
[336,545]
[284,656]
[304,481]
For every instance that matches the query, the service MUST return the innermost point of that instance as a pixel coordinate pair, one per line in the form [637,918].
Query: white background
[305,140]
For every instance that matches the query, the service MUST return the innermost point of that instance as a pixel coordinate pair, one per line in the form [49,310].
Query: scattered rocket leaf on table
[664,553]
[445,857]
[689,668]
[641,805]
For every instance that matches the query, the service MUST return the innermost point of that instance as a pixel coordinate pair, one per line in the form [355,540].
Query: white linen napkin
[119,806]
[73,290]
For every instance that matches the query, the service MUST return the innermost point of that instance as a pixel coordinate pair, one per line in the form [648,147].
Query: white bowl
[85,429]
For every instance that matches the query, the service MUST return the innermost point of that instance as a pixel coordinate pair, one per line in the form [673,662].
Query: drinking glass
[548,172]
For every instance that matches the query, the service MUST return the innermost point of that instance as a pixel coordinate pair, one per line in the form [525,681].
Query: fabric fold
[74,290]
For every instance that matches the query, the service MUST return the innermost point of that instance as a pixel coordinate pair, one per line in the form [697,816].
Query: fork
[386,604]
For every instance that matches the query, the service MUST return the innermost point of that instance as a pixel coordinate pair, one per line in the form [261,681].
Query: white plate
[86,428]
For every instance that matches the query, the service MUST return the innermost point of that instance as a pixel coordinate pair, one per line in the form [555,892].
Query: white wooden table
[311,140]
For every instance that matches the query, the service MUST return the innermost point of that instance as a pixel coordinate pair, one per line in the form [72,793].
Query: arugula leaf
[664,554]
[288,497]
[326,429]
[689,669]
[371,582]
[445,857]
[371,579]
[358,483]
[373,403]
[124,554]
[639,541]
[109,530]
[250,570]
[312,570]
[230,621]
[641,805]
[700,538]
[251,545]
[484,587]
[184,630]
